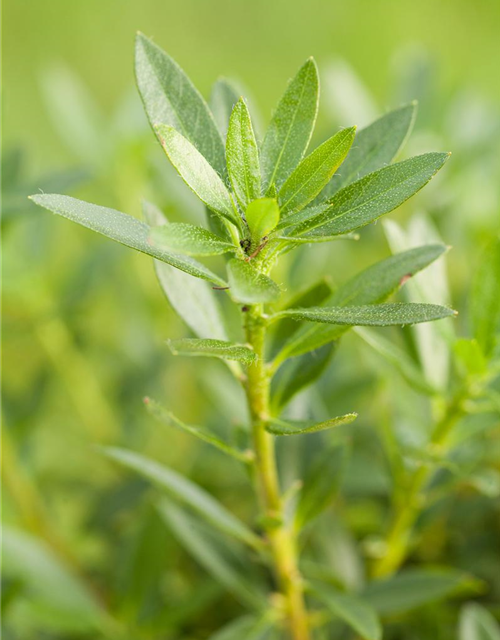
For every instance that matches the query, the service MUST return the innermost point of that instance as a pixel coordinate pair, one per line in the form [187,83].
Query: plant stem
[280,535]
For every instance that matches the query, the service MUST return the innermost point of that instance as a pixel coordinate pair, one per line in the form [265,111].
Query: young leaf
[373,196]
[185,491]
[376,146]
[292,428]
[314,172]
[354,611]
[212,348]
[262,216]
[191,298]
[249,286]
[167,418]
[223,97]
[170,98]
[189,239]
[485,308]
[197,173]
[477,623]
[291,127]
[212,553]
[242,155]
[376,315]
[122,228]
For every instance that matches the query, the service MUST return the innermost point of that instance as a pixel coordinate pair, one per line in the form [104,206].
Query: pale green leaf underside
[189,239]
[170,98]
[197,173]
[485,303]
[212,348]
[314,172]
[123,229]
[248,286]
[477,623]
[291,126]
[223,97]
[168,419]
[185,491]
[377,315]
[291,428]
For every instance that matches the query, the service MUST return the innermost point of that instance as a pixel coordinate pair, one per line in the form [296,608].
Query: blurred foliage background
[85,320]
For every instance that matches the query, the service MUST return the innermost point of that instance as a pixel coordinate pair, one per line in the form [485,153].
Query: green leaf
[412,588]
[314,172]
[376,146]
[291,126]
[189,239]
[191,298]
[405,365]
[122,228]
[354,611]
[249,286]
[477,623]
[370,286]
[223,97]
[242,156]
[212,553]
[321,484]
[262,216]
[470,355]
[185,491]
[49,582]
[168,419]
[485,303]
[204,181]
[212,348]
[170,98]
[247,628]
[292,428]
[375,315]
[373,196]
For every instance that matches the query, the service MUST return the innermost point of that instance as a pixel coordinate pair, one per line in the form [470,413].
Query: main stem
[281,537]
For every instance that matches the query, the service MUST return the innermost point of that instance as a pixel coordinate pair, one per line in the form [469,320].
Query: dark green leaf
[222,100]
[242,155]
[262,216]
[249,286]
[292,428]
[170,98]
[314,172]
[485,307]
[189,239]
[121,228]
[477,623]
[291,127]
[212,348]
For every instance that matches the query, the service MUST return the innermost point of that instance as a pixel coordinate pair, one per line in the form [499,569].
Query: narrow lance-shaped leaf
[248,286]
[377,315]
[485,307]
[376,146]
[223,97]
[197,173]
[189,239]
[477,623]
[247,628]
[122,228]
[291,126]
[185,491]
[296,427]
[262,216]
[314,172]
[373,196]
[212,348]
[242,156]
[170,98]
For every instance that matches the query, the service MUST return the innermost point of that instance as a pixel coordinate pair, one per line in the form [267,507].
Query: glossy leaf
[354,611]
[212,348]
[170,98]
[197,173]
[477,623]
[373,196]
[242,156]
[185,491]
[168,419]
[192,299]
[262,216]
[376,146]
[485,307]
[122,228]
[248,286]
[189,239]
[291,127]
[297,427]
[314,172]
[375,315]
[223,97]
